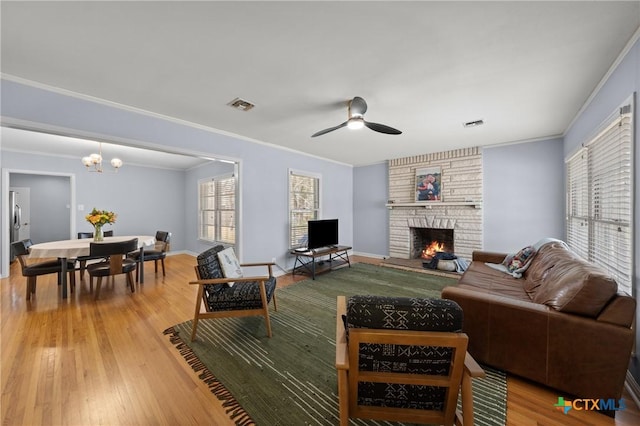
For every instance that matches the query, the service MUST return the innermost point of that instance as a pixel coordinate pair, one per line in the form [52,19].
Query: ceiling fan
[357,108]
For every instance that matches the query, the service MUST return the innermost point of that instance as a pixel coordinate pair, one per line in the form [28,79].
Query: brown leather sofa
[563,324]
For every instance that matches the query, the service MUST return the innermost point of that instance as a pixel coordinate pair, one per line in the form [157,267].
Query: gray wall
[50,198]
[371,217]
[263,171]
[623,82]
[523,198]
[523,194]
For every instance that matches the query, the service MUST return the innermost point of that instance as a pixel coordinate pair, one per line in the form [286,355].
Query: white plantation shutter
[304,205]
[600,214]
[578,204]
[217,206]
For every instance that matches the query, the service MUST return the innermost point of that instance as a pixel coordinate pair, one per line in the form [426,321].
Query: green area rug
[291,379]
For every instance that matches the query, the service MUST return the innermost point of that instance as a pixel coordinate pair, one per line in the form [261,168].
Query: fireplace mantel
[474,204]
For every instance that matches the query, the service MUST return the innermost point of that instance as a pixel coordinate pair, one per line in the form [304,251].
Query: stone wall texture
[460,208]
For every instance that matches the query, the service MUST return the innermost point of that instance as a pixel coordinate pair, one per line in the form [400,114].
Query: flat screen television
[322,233]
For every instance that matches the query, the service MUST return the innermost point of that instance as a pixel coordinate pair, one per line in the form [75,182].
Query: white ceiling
[525,68]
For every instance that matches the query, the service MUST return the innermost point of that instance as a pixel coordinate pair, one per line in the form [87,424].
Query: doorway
[53,223]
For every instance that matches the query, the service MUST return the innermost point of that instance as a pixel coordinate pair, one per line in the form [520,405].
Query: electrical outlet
[273,260]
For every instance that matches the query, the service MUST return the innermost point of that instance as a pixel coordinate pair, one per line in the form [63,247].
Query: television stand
[311,262]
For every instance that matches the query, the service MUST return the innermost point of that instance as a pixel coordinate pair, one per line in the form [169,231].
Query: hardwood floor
[106,362]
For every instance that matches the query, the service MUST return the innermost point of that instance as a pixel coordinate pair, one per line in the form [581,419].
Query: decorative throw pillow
[518,263]
[229,264]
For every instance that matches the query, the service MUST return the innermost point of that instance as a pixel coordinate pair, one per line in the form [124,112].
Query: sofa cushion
[576,287]
[483,278]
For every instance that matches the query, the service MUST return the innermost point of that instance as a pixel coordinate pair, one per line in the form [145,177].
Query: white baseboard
[375,256]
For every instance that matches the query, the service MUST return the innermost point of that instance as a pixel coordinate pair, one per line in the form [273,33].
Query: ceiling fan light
[355,123]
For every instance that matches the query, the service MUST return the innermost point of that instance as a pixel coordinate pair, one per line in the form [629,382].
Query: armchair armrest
[258,264]
[342,350]
[472,368]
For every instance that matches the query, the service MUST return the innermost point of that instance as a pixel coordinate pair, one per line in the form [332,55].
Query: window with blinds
[217,208]
[304,205]
[600,199]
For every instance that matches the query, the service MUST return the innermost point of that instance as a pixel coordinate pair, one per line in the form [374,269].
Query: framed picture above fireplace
[428,184]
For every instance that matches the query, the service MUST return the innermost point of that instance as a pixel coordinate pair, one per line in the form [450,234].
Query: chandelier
[93,162]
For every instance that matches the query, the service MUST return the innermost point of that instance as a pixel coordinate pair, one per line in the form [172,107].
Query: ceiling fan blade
[330,129]
[382,128]
[357,106]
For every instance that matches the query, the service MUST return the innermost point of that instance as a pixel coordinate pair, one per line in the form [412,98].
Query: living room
[523,179]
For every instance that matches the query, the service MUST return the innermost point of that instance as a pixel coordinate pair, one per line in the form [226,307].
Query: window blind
[217,209]
[599,193]
[304,205]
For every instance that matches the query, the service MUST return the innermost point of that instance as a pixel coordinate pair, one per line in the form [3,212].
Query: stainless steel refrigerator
[14,219]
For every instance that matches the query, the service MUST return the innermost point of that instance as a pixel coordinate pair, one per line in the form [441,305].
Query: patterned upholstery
[243,295]
[402,313]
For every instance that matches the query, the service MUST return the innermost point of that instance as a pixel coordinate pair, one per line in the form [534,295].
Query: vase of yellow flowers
[99,218]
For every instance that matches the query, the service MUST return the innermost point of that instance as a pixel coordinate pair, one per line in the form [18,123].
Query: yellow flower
[100,217]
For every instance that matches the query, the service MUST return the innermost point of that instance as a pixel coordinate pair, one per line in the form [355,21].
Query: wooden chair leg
[194,328]
[343,397]
[130,281]
[30,288]
[98,285]
[467,400]
[155,264]
[163,273]
[83,266]
[265,307]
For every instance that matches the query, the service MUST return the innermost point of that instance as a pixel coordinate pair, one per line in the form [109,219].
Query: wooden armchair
[391,367]
[231,297]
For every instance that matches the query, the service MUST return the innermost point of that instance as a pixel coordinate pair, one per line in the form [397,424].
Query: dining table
[72,249]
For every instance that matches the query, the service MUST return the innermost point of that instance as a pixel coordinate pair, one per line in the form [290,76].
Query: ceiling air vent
[475,123]
[241,104]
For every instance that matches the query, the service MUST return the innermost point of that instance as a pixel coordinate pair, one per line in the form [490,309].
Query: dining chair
[82,260]
[32,270]
[158,253]
[115,261]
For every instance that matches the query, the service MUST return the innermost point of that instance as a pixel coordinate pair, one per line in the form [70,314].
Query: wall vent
[475,123]
[241,104]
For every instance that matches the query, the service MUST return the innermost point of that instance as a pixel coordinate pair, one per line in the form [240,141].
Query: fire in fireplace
[428,241]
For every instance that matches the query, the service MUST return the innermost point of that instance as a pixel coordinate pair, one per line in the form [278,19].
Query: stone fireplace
[426,242]
[456,220]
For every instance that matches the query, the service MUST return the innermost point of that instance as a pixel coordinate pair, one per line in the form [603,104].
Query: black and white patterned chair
[403,359]
[248,296]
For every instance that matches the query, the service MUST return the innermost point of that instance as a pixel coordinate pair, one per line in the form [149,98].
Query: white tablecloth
[72,249]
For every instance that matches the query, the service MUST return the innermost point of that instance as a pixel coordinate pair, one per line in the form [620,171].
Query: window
[599,199]
[217,209]
[304,205]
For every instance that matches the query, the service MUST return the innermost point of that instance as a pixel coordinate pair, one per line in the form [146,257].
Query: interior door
[23,203]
